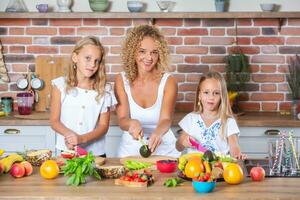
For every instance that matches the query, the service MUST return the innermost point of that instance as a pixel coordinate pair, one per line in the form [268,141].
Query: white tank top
[148,118]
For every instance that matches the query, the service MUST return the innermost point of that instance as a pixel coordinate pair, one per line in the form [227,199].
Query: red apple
[1,168]
[17,170]
[28,168]
[257,173]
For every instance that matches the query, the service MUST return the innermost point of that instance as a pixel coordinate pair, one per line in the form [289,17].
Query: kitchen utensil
[22,83]
[37,83]
[166,166]
[16,6]
[25,101]
[7,103]
[135,6]
[197,146]
[48,68]
[42,8]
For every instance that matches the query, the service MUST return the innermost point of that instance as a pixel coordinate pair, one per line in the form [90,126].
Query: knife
[197,146]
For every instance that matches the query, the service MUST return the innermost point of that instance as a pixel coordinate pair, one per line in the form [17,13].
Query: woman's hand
[73,139]
[135,129]
[154,141]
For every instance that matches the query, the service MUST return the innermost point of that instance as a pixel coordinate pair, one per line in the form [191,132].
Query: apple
[257,173]
[28,168]
[17,170]
[1,168]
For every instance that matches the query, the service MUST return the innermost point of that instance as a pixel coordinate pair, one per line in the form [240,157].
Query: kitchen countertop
[35,187]
[249,119]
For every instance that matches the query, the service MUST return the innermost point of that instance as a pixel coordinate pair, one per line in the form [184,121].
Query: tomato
[49,169]
[233,174]
[193,168]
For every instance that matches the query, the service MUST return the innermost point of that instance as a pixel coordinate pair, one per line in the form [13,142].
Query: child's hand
[135,129]
[236,153]
[185,140]
[154,141]
[73,139]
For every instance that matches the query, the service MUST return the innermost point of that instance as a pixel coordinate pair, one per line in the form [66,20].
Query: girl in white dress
[81,101]
[212,123]
[146,94]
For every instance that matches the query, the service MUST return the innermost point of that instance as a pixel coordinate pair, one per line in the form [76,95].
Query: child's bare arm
[234,147]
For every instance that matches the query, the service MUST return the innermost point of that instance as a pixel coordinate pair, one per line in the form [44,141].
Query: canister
[7,104]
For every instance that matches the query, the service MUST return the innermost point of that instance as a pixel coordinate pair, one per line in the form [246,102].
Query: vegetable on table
[173,182]
[79,168]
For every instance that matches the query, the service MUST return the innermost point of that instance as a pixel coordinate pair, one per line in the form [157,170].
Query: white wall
[181,5]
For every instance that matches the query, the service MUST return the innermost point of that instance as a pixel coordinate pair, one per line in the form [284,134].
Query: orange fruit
[49,169]
[193,168]
[233,174]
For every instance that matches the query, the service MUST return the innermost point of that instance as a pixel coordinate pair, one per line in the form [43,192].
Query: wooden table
[35,187]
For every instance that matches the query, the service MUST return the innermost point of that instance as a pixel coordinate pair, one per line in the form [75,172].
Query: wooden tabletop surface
[35,187]
[251,119]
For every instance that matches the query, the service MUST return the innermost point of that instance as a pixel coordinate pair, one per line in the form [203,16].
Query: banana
[10,160]
[232,95]
[1,152]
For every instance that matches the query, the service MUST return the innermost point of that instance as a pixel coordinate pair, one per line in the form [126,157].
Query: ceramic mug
[42,8]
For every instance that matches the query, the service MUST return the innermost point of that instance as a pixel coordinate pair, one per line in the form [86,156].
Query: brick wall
[196,45]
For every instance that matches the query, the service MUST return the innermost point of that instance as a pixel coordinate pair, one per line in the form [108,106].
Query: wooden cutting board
[48,68]
[151,159]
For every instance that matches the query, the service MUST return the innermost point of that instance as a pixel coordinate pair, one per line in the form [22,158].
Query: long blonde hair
[132,44]
[100,75]
[224,110]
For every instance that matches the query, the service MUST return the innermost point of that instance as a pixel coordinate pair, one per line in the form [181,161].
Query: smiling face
[147,55]
[87,60]
[210,94]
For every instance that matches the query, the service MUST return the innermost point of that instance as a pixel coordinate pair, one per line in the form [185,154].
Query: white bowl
[135,6]
[164,6]
[268,7]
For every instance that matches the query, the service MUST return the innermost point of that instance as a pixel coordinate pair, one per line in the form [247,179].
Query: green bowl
[98,6]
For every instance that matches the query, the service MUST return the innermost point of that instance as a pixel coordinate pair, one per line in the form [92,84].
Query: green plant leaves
[79,168]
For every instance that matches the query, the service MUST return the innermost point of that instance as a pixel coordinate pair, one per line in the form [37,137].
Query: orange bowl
[166,166]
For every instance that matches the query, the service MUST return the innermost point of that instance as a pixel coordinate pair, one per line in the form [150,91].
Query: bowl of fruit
[166,166]
[204,183]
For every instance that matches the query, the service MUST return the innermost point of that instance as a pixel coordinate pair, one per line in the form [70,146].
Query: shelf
[145,15]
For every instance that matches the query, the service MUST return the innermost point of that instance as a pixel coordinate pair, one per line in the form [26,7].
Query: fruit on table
[184,159]
[1,168]
[1,152]
[8,161]
[233,174]
[49,169]
[209,155]
[17,170]
[28,168]
[37,157]
[68,154]
[257,173]
[193,168]
[145,151]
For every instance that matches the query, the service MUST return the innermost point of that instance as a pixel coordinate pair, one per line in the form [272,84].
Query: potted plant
[237,75]
[293,79]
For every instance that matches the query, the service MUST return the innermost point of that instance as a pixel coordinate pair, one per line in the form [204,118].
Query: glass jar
[7,103]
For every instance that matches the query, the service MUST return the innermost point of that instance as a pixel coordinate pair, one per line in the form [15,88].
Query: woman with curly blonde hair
[80,102]
[146,94]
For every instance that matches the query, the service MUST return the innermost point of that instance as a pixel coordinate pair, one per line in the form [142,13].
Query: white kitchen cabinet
[27,138]
[254,142]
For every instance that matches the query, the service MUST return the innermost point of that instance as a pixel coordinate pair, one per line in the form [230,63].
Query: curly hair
[100,75]
[132,44]
[224,111]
